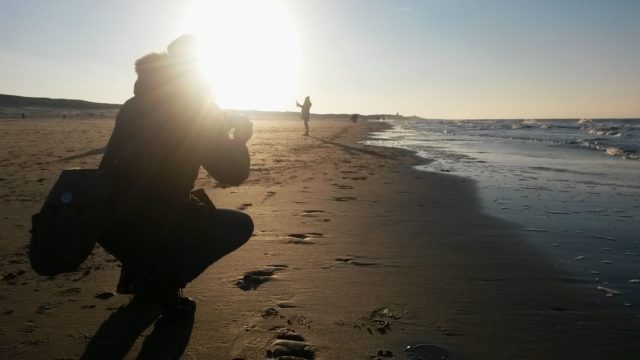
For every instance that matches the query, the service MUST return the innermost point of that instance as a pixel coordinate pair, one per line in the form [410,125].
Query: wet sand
[355,255]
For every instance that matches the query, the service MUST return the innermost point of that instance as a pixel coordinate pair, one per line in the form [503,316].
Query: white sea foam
[608,291]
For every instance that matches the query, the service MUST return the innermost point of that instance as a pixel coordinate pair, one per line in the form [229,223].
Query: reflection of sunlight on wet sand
[249,50]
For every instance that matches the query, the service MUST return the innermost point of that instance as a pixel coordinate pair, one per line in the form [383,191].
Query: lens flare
[249,51]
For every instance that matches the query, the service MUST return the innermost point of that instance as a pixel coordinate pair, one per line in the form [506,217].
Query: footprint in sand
[342,186]
[379,321]
[383,354]
[354,261]
[311,213]
[244,206]
[290,346]
[69,291]
[344,198]
[303,239]
[268,195]
[269,313]
[253,279]
[12,277]
[287,304]
[46,308]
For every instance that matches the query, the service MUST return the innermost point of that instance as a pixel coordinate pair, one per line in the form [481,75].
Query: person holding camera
[304,113]
[163,233]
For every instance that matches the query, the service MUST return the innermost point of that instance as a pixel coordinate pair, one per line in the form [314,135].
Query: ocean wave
[614,151]
[522,125]
[610,150]
[604,130]
[613,137]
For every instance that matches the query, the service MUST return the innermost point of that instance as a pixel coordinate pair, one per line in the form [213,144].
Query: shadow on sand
[85,154]
[352,150]
[119,332]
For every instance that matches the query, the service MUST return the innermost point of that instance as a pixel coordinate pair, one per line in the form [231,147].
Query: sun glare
[249,51]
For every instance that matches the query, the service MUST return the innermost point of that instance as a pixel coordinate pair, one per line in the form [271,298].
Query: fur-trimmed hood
[169,73]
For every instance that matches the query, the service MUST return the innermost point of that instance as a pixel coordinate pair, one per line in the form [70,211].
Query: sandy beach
[355,255]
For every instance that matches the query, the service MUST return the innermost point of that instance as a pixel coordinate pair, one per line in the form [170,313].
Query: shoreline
[364,256]
[578,207]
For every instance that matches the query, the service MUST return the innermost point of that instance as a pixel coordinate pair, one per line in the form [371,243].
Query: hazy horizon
[495,59]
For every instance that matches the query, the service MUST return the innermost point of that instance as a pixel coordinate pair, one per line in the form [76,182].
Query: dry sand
[355,254]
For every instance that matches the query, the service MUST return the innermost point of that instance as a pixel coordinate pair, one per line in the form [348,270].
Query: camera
[238,126]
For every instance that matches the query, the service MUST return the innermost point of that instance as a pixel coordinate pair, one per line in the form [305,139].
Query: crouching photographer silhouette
[164,233]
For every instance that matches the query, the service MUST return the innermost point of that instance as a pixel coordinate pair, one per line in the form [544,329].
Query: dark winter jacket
[161,138]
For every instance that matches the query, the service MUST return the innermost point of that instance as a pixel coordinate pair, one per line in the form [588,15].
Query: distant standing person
[304,114]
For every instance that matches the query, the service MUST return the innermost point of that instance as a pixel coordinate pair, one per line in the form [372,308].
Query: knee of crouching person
[247,225]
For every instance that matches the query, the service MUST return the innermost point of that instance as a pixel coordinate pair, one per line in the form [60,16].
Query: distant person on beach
[354,118]
[164,234]
[304,114]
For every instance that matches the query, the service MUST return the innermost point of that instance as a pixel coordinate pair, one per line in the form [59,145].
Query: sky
[432,58]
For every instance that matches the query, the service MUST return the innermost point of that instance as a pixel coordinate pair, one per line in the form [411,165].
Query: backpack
[66,229]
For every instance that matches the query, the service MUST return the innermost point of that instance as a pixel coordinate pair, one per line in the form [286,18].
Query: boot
[163,288]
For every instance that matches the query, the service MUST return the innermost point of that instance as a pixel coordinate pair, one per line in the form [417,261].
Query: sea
[571,185]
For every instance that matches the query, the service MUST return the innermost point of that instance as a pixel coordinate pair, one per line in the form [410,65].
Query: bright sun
[249,50]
